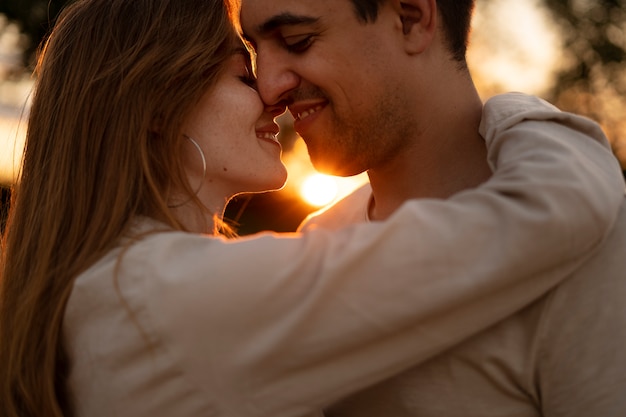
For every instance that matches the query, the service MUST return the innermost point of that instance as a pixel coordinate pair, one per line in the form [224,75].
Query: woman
[116,301]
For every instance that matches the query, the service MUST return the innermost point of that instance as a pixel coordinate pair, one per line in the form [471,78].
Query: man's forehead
[262,16]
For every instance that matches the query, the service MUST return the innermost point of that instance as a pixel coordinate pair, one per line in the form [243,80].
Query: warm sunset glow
[315,188]
[319,190]
[514,47]
[11,146]
[15,87]
[14,104]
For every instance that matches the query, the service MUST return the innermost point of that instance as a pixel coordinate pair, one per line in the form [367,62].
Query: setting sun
[313,187]
[319,190]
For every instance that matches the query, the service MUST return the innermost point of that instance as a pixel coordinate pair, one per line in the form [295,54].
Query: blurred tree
[35,18]
[593,79]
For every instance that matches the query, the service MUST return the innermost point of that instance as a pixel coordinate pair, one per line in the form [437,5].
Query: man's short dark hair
[456,16]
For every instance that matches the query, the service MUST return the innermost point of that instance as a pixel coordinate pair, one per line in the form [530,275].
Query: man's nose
[275,80]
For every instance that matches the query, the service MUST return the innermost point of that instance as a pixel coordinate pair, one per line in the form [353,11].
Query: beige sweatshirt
[282,326]
[562,356]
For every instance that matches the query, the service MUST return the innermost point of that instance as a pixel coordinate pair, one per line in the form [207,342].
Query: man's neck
[449,159]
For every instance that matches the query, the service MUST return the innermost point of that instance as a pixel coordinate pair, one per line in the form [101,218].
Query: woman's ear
[419,22]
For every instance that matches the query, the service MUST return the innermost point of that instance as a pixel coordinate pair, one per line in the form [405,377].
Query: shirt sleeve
[579,349]
[285,325]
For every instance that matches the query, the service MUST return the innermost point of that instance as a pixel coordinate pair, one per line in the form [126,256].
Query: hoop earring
[203,172]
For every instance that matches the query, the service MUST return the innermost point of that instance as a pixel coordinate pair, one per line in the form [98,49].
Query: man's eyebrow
[284,19]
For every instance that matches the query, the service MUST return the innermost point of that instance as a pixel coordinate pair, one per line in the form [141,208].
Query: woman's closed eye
[248,78]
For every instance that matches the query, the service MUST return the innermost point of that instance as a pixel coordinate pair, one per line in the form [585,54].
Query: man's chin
[336,168]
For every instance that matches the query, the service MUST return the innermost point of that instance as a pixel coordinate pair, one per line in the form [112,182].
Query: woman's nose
[275,110]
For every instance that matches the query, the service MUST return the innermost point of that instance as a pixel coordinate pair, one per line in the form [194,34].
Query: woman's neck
[197,220]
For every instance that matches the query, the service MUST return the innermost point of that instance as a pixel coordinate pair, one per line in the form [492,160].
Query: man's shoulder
[511,105]
[349,210]
[603,273]
[584,323]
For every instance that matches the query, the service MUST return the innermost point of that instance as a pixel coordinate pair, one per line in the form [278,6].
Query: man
[382,86]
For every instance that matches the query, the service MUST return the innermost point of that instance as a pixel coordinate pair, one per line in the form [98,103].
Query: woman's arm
[282,326]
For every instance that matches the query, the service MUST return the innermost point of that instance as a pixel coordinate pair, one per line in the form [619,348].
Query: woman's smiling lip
[269,133]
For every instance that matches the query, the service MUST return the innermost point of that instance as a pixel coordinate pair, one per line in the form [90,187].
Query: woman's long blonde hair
[115,80]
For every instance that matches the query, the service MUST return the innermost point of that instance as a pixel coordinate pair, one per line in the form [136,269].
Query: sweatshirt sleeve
[281,326]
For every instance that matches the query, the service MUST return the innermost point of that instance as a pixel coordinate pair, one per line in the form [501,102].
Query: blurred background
[569,52]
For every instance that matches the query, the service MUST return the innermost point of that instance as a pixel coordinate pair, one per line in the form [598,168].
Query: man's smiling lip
[305,113]
[302,110]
